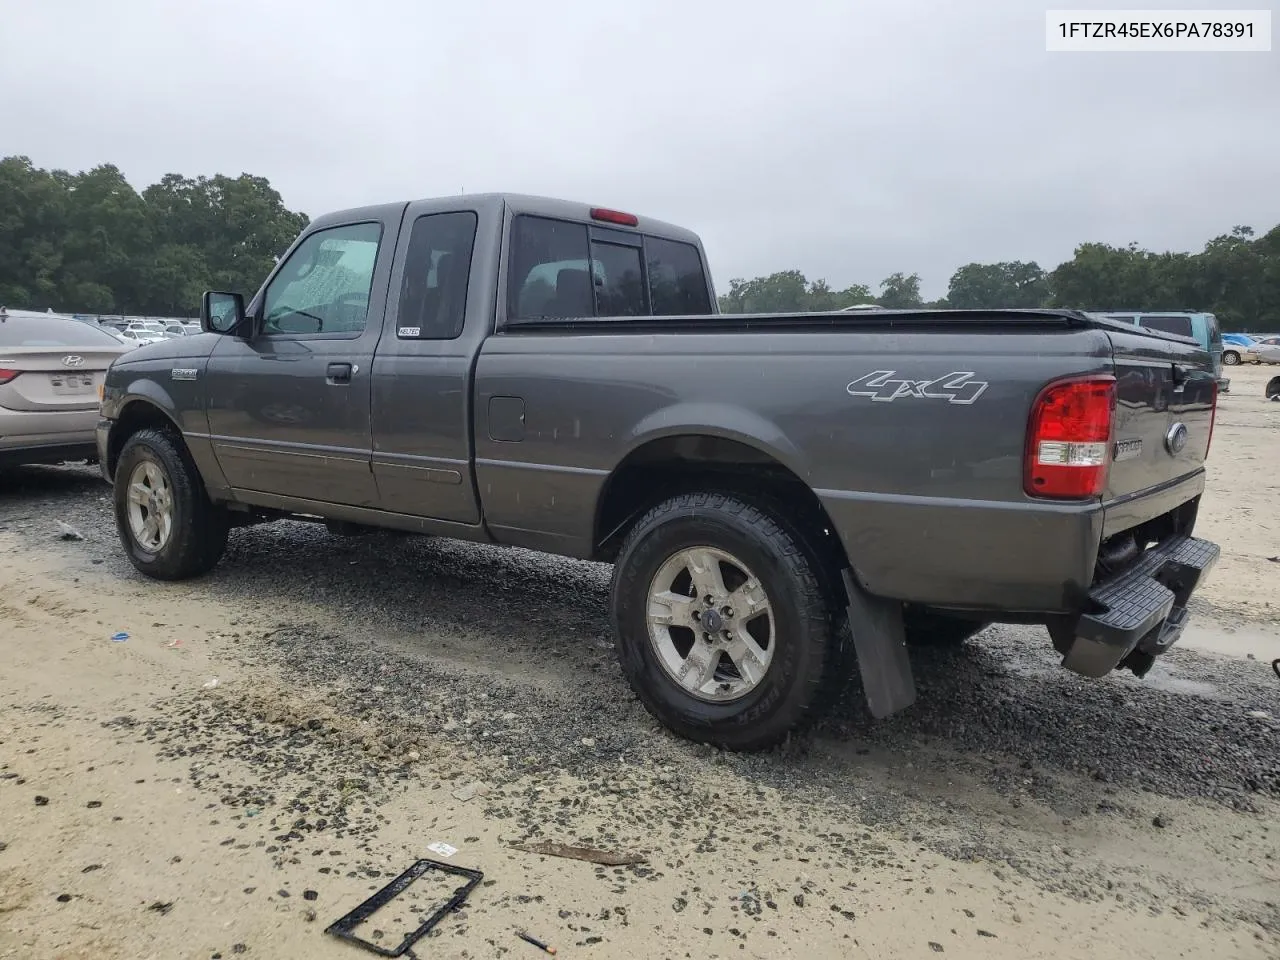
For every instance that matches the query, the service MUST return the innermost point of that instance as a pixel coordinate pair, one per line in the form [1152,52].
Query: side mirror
[221,312]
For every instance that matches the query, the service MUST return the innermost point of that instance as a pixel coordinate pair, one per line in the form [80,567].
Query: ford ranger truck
[785,499]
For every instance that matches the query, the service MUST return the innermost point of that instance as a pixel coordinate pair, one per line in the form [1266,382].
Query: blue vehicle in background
[1201,327]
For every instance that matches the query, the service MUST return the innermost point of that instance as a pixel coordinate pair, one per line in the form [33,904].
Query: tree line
[89,243]
[1236,277]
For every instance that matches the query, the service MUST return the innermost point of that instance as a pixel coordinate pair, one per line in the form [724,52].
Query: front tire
[751,666]
[1230,358]
[166,522]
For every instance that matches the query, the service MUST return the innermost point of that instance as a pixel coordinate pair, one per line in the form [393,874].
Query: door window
[324,285]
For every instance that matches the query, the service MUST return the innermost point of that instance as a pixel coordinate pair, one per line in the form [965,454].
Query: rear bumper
[56,451]
[1139,614]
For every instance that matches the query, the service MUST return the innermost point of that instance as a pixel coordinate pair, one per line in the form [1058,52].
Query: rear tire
[178,532]
[1230,358]
[786,679]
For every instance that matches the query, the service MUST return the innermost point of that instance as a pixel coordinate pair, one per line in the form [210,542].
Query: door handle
[338,373]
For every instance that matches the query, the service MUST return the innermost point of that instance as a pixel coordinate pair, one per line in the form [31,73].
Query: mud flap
[880,641]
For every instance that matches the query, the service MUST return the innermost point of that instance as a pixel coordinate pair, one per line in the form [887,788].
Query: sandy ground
[374,696]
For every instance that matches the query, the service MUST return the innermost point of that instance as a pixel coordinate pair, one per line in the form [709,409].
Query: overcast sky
[846,139]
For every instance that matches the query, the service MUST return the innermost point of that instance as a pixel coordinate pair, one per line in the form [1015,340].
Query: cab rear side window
[437,269]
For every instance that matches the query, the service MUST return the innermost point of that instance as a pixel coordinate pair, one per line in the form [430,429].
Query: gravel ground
[501,626]
[410,663]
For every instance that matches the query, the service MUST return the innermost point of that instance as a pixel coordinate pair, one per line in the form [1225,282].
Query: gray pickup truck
[781,496]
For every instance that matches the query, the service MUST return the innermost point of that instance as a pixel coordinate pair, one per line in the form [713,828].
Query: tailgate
[1165,396]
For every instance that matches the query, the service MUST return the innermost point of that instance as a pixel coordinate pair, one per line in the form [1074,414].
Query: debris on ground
[441,848]
[68,532]
[589,854]
[345,927]
[470,791]
[120,637]
[536,942]
[211,683]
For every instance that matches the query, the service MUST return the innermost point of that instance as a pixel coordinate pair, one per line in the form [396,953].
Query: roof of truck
[521,203]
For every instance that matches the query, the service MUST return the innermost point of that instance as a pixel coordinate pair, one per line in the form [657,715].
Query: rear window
[619,283]
[563,270]
[677,280]
[1178,325]
[52,332]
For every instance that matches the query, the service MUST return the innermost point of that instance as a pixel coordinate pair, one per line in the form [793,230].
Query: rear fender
[722,420]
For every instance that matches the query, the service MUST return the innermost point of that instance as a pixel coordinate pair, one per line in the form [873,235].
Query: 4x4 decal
[955,387]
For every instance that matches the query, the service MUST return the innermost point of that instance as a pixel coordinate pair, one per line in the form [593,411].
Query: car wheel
[1230,358]
[724,632]
[168,525]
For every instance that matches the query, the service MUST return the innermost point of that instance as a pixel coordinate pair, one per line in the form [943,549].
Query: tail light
[1069,439]
[1213,418]
[7,375]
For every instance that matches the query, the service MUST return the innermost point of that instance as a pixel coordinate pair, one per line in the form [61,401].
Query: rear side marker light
[1069,436]
[8,375]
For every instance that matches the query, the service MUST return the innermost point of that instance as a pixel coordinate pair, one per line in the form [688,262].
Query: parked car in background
[50,371]
[1239,348]
[1268,349]
[137,337]
[119,336]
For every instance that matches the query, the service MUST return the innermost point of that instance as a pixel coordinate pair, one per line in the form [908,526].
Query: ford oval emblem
[1176,439]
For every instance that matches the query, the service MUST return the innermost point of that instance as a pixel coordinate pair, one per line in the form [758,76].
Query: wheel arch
[138,413]
[685,461]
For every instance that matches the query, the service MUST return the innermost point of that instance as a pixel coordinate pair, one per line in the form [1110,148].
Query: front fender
[136,397]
